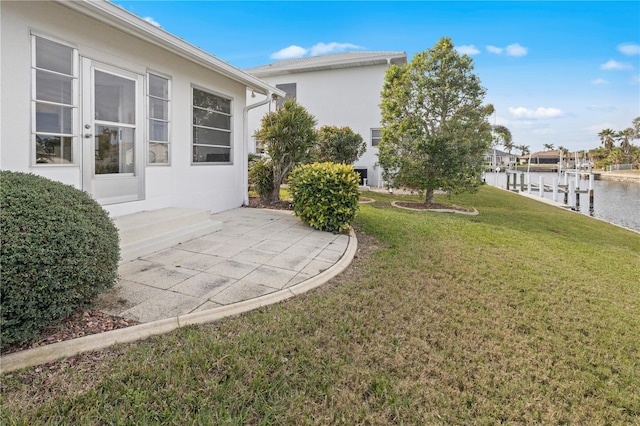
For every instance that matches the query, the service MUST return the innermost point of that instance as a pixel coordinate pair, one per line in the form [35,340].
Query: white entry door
[112,139]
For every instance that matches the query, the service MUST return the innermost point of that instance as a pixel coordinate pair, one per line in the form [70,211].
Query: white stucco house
[339,90]
[98,98]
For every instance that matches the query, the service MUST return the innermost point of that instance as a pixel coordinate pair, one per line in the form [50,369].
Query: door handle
[87,135]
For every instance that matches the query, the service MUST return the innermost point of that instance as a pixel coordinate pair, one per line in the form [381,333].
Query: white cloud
[540,112]
[295,51]
[152,21]
[516,50]
[597,128]
[602,108]
[599,81]
[615,65]
[629,49]
[325,48]
[467,50]
[290,52]
[546,131]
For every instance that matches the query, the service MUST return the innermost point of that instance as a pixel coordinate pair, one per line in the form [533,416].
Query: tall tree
[501,135]
[435,127]
[524,149]
[548,146]
[339,145]
[636,127]
[624,137]
[289,135]
[607,138]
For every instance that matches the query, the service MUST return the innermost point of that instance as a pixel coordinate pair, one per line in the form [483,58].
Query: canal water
[614,202]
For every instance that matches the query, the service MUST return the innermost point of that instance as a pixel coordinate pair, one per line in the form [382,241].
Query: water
[614,202]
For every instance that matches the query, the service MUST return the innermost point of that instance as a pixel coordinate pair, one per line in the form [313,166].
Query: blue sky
[557,72]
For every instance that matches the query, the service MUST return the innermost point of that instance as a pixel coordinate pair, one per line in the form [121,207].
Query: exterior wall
[180,184]
[341,97]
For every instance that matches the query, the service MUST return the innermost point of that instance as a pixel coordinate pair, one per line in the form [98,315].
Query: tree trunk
[428,199]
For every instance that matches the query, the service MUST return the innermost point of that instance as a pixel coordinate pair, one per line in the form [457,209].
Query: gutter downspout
[245,144]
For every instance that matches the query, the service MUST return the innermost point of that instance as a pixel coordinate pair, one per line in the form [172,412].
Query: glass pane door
[113,135]
[115,123]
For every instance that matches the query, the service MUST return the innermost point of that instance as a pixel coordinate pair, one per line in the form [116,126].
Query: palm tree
[636,127]
[502,133]
[607,138]
[508,146]
[524,149]
[548,146]
[624,137]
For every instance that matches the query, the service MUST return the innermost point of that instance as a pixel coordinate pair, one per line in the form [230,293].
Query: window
[290,90]
[54,75]
[376,136]
[211,128]
[158,98]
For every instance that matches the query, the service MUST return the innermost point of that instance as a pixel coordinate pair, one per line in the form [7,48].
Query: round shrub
[59,249]
[325,195]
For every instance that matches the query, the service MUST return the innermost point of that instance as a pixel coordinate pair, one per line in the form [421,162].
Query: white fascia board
[345,63]
[120,19]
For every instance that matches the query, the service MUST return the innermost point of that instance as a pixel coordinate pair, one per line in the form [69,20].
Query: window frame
[375,138]
[229,131]
[288,93]
[149,119]
[73,106]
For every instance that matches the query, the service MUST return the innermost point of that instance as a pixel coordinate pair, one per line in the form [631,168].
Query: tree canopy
[289,135]
[627,152]
[435,128]
[339,145]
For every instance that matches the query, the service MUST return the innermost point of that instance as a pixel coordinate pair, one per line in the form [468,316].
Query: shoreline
[619,177]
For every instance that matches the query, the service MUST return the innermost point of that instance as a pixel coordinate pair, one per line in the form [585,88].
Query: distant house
[339,90]
[540,157]
[494,158]
[97,98]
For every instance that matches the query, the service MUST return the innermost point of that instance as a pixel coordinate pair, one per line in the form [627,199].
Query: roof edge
[123,20]
[378,58]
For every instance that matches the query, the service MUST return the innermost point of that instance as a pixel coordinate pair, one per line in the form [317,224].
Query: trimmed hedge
[325,195]
[59,249]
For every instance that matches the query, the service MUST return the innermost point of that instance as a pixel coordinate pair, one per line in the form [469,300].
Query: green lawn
[524,314]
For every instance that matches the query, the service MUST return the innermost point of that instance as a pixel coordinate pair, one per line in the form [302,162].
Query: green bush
[59,249]
[339,145]
[261,177]
[325,195]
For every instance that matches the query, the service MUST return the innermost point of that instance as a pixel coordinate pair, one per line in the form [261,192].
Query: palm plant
[607,138]
[548,146]
[502,134]
[624,137]
[524,149]
[636,127]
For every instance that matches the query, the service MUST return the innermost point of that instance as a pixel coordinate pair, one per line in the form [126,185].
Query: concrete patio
[258,258]
[257,252]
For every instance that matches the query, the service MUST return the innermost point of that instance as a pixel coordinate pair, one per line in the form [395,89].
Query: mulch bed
[77,325]
[256,202]
[433,206]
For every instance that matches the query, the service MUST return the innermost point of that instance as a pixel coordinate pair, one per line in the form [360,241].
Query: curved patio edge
[93,342]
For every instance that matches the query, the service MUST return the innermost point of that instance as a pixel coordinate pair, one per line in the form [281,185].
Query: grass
[524,314]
